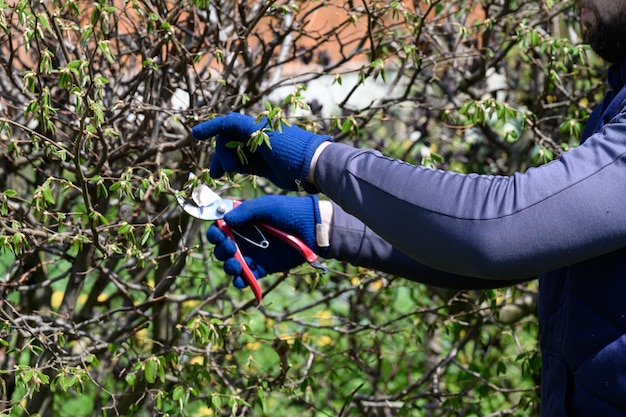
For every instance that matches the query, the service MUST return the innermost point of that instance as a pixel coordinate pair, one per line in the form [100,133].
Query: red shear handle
[247,273]
[297,244]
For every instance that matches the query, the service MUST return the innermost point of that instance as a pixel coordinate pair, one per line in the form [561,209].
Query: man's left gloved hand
[296,216]
[286,163]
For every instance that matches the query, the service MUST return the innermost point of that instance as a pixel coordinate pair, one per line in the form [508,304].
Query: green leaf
[147,234]
[131,379]
[178,393]
[216,402]
[47,195]
[9,193]
[501,368]
[124,229]
[151,369]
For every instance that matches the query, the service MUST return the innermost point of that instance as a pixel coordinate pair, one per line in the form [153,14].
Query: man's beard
[608,38]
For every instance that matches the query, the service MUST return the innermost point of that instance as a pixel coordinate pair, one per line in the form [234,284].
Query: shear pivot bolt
[221,209]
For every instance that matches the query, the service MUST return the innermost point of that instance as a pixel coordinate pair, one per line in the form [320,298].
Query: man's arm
[353,242]
[490,227]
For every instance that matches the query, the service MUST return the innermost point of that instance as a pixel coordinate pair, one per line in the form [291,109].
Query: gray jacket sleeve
[478,226]
[353,242]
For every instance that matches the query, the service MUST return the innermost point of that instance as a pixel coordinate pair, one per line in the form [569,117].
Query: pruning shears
[206,204]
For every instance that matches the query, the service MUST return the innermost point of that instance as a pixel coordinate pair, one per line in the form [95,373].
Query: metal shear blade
[207,204]
[212,211]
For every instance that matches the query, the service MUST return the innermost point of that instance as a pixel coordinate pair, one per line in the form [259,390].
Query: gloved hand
[286,164]
[296,216]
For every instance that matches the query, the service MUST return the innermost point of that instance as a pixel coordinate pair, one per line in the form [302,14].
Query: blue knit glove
[294,215]
[286,164]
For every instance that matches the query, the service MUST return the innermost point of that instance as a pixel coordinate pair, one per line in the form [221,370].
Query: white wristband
[322,235]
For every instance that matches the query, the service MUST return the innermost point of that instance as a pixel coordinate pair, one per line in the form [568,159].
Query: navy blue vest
[582,316]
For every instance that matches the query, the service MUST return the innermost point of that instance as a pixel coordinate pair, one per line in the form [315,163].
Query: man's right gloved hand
[286,162]
[296,216]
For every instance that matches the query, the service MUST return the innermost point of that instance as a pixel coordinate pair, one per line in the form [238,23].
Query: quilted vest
[582,316]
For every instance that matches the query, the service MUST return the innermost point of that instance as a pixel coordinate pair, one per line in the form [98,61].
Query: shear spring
[263,244]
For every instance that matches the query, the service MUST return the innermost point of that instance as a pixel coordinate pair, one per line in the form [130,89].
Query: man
[564,222]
